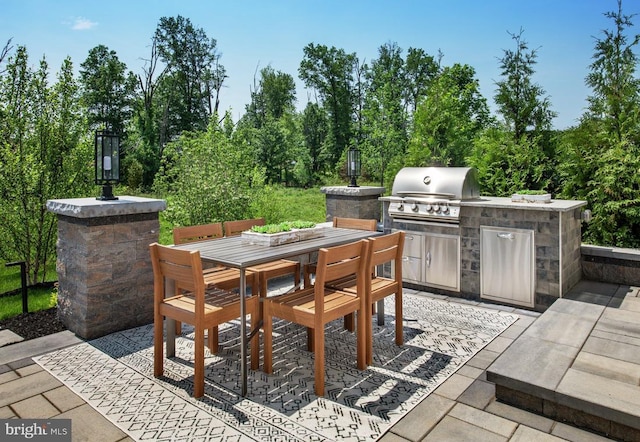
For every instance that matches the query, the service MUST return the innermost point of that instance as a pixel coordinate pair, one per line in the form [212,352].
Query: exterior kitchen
[459,243]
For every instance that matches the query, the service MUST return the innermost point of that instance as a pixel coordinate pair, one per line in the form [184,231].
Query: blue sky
[253,34]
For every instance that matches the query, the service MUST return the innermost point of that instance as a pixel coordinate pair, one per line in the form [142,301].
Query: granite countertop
[505,202]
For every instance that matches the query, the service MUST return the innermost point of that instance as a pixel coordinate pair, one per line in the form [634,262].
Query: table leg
[243,331]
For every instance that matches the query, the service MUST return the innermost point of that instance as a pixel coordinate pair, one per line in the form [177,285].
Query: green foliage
[134,173]
[448,119]
[330,71]
[615,200]
[43,156]
[285,226]
[519,99]
[209,179]
[504,166]
[107,91]
[600,158]
[384,122]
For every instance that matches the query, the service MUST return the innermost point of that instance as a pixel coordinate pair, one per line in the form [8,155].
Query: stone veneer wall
[105,277]
[353,202]
[557,248]
[611,264]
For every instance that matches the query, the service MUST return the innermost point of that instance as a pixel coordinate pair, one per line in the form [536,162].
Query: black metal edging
[23,278]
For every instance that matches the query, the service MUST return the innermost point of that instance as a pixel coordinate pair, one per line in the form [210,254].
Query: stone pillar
[353,202]
[105,278]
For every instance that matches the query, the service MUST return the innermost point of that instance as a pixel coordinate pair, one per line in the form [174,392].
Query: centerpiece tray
[270,237]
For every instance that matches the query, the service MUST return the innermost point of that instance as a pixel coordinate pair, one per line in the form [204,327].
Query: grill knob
[400,207]
[415,207]
[436,208]
[428,208]
[445,209]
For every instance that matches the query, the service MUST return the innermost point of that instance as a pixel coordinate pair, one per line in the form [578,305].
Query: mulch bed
[34,324]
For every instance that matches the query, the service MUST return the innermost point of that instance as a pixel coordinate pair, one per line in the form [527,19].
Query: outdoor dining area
[307,340]
[346,284]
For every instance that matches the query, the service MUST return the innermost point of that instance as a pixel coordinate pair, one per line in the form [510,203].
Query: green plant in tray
[285,226]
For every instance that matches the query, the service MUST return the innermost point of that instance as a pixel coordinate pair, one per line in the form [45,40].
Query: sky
[251,35]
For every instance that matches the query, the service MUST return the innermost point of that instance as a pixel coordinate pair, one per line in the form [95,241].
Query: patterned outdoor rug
[114,374]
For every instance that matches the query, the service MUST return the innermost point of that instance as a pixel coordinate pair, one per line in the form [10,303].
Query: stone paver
[87,424]
[520,416]
[574,434]
[8,337]
[452,429]
[484,420]
[526,434]
[35,407]
[601,396]
[533,364]
[454,386]
[479,394]
[23,388]
[607,367]
[63,398]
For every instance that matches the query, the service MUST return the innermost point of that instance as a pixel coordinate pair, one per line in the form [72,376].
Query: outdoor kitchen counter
[506,203]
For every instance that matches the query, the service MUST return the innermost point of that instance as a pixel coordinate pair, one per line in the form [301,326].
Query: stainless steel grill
[432,193]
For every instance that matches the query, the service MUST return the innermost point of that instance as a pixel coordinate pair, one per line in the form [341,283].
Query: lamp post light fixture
[353,165]
[107,157]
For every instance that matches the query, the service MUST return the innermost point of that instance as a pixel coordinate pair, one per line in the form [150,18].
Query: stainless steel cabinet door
[442,261]
[507,265]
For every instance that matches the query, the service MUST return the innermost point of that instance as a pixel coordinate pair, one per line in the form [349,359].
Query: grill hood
[459,183]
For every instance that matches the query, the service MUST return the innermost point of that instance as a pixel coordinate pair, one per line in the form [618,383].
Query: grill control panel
[427,210]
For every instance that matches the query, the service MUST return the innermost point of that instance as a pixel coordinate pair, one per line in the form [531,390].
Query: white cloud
[83,24]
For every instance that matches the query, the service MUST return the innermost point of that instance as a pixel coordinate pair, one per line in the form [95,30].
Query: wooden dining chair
[204,308]
[315,307]
[383,251]
[217,276]
[344,223]
[269,270]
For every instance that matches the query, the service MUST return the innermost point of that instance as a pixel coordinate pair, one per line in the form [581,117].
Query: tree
[43,155]
[210,178]
[107,91]
[268,124]
[5,52]
[330,71]
[612,79]
[148,151]
[601,157]
[448,119]
[385,123]
[420,70]
[273,97]
[519,100]
[193,74]
[315,127]
[520,153]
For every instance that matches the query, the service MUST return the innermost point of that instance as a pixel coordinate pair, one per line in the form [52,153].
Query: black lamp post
[107,163]
[353,165]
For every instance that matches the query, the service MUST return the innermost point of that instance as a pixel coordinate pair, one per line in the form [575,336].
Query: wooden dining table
[236,252]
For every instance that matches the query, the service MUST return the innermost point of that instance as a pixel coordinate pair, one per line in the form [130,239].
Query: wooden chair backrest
[355,223]
[234,228]
[387,248]
[184,267]
[187,234]
[339,262]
